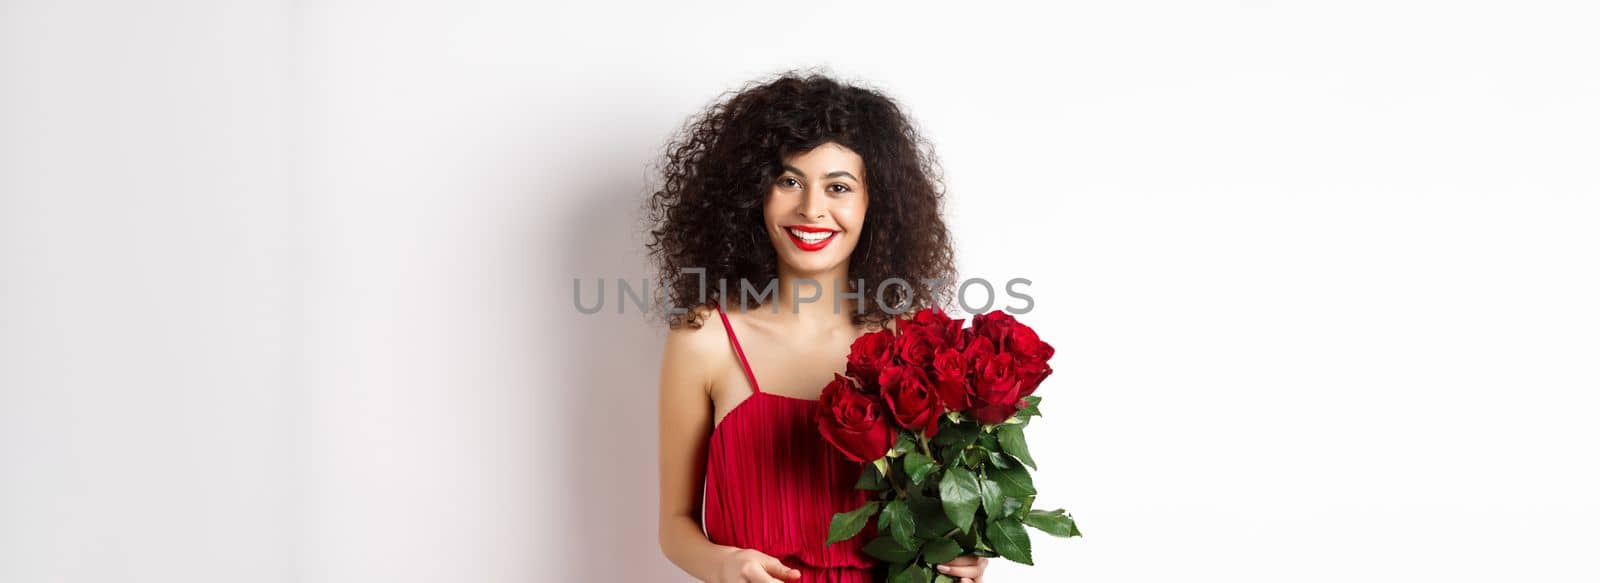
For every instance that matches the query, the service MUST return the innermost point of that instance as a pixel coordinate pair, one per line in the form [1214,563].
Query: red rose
[995,392]
[1031,354]
[950,378]
[915,345]
[911,398]
[851,421]
[868,355]
[936,323]
[996,326]
[1026,345]
[1029,375]
[977,347]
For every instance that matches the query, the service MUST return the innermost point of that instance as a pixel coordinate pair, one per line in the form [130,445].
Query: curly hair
[719,167]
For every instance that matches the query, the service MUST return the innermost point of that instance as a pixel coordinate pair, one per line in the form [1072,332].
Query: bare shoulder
[703,338]
[691,352]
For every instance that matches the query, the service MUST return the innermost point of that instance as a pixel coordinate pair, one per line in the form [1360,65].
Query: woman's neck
[815,299]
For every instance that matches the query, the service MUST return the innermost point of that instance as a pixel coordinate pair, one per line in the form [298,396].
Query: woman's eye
[842,188]
[786,181]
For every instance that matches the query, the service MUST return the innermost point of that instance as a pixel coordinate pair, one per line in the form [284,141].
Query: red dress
[773,484]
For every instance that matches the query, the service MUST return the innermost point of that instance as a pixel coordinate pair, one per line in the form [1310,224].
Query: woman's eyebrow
[834,174]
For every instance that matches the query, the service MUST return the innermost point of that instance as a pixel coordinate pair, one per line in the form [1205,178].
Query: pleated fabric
[773,484]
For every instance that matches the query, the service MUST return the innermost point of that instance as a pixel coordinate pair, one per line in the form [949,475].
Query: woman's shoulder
[696,332]
[693,353]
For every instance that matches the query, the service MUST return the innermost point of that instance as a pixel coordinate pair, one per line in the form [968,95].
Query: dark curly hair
[720,166]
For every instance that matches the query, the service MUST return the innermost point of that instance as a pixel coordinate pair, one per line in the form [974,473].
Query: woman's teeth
[810,237]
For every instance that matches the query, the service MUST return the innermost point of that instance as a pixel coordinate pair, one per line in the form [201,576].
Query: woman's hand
[965,568]
[753,566]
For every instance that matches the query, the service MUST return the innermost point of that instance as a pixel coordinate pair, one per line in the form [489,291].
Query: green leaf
[943,578]
[973,457]
[969,538]
[991,496]
[904,443]
[981,546]
[1011,540]
[913,574]
[928,514]
[1032,409]
[952,453]
[1000,460]
[1015,482]
[882,464]
[962,434]
[887,549]
[989,441]
[895,570]
[1012,442]
[871,479]
[1010,507]
[896,520]
[847,524]
[958,490]
[918,466]
[1053,522]
[939,550]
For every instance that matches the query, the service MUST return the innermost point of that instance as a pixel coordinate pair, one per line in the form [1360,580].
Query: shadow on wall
[611,406]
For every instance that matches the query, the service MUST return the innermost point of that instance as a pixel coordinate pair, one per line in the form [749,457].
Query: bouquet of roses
[935,413]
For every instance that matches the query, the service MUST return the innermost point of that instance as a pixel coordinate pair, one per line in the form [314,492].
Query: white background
[285,287]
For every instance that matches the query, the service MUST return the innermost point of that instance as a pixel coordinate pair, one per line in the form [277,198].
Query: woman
[824,189]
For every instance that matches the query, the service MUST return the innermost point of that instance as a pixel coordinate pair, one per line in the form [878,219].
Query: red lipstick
[813,244]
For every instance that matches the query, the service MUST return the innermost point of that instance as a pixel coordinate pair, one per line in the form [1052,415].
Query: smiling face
[815,209]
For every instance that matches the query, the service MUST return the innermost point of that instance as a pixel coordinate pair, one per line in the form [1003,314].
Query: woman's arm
[685,409]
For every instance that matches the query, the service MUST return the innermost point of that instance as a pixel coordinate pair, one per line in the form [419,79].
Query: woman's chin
[812,266]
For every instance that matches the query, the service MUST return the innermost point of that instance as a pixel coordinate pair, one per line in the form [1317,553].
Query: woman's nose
[811,205]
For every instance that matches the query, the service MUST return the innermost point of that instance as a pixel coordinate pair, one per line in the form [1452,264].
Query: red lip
[802,244]
[809,229]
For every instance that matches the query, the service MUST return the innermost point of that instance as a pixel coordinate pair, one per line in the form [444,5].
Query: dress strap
[740,351]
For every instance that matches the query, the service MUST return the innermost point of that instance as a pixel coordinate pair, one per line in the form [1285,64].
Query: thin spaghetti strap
[750,374]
